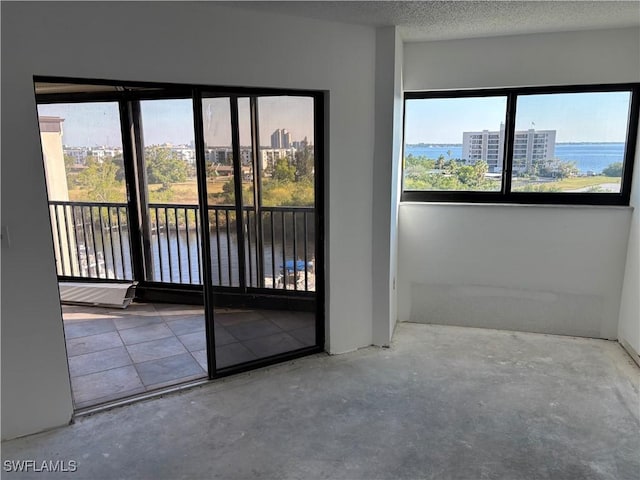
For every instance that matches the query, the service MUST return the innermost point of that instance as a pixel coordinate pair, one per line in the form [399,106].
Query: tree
[566,169]
[452,167]
[480,170]
[613,170]
[304,164]
[473,176]
[119,162]
[70,171]
[164,167]
[212,170]
[228,192]
[283,172]
[555,169]
[99,179]
[466,175]
[69,162]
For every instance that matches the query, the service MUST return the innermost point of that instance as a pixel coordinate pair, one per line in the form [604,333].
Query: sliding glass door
[261,214]
[169,188]
[215,200]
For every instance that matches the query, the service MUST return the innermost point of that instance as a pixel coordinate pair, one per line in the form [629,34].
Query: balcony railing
[92,240]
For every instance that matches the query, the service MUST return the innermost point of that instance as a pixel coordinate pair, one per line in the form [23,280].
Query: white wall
[542,269]
[197,42]
[629,325]
[531,268]
[387,157]
[598,56]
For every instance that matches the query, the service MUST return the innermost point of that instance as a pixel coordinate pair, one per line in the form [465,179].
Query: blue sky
[584,117]
[171,121]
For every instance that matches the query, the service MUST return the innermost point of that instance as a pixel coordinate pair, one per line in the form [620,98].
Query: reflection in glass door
[171,236]
[170,219]
[259,157]
[287,192]
[220,175]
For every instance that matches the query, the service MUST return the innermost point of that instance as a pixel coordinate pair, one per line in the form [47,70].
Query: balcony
[92,241]
[118,353]
[115,354]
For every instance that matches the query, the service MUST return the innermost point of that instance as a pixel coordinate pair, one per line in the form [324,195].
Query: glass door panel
[221,194]
[250,189]
[287,195]
[82,152]
[171,191]
[260,241]
[175,351]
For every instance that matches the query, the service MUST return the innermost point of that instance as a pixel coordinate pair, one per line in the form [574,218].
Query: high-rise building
[286,139]
[281,138]
[276,139]
[529,146]
[300,145]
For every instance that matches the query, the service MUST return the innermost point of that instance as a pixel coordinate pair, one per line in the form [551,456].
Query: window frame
[505,195]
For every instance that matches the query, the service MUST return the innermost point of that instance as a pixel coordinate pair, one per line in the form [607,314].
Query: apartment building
[281,138]
[530,146]
[269,156]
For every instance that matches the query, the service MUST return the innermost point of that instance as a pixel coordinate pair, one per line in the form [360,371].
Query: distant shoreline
[436,144]
[589,157]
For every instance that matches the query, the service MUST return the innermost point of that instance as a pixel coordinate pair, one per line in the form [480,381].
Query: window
[555,145]
[84,170]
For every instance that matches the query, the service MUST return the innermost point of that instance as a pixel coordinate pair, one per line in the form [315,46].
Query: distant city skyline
[171,121]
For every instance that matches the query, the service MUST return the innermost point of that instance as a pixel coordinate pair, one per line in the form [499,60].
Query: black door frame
[128,95]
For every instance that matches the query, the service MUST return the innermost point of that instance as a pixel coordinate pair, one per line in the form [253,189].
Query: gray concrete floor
[441,403]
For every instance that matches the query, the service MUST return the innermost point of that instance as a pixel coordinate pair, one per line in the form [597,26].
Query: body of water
[175,256]
[589,157]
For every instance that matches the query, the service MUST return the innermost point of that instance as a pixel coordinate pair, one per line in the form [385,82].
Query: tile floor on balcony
[118,353]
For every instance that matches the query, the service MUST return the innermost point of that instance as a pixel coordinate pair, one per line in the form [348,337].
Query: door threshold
[81,412]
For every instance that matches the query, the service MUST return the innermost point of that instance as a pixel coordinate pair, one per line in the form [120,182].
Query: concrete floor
[441,403]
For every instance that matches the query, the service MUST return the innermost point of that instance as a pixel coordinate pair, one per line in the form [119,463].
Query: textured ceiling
[442,20]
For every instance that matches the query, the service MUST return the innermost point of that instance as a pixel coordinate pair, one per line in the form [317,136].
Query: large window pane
[169,152]
[82,151]
[454,144]
[286,150]
[573,142]
[84,168]
[170,170]
[287,162]
[220,174]
[216,118]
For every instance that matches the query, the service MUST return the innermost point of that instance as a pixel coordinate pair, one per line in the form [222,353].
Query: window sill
[518,205]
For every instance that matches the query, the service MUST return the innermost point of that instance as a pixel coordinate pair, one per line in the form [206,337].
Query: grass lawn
[573,183]
[181,193]
[186,193]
